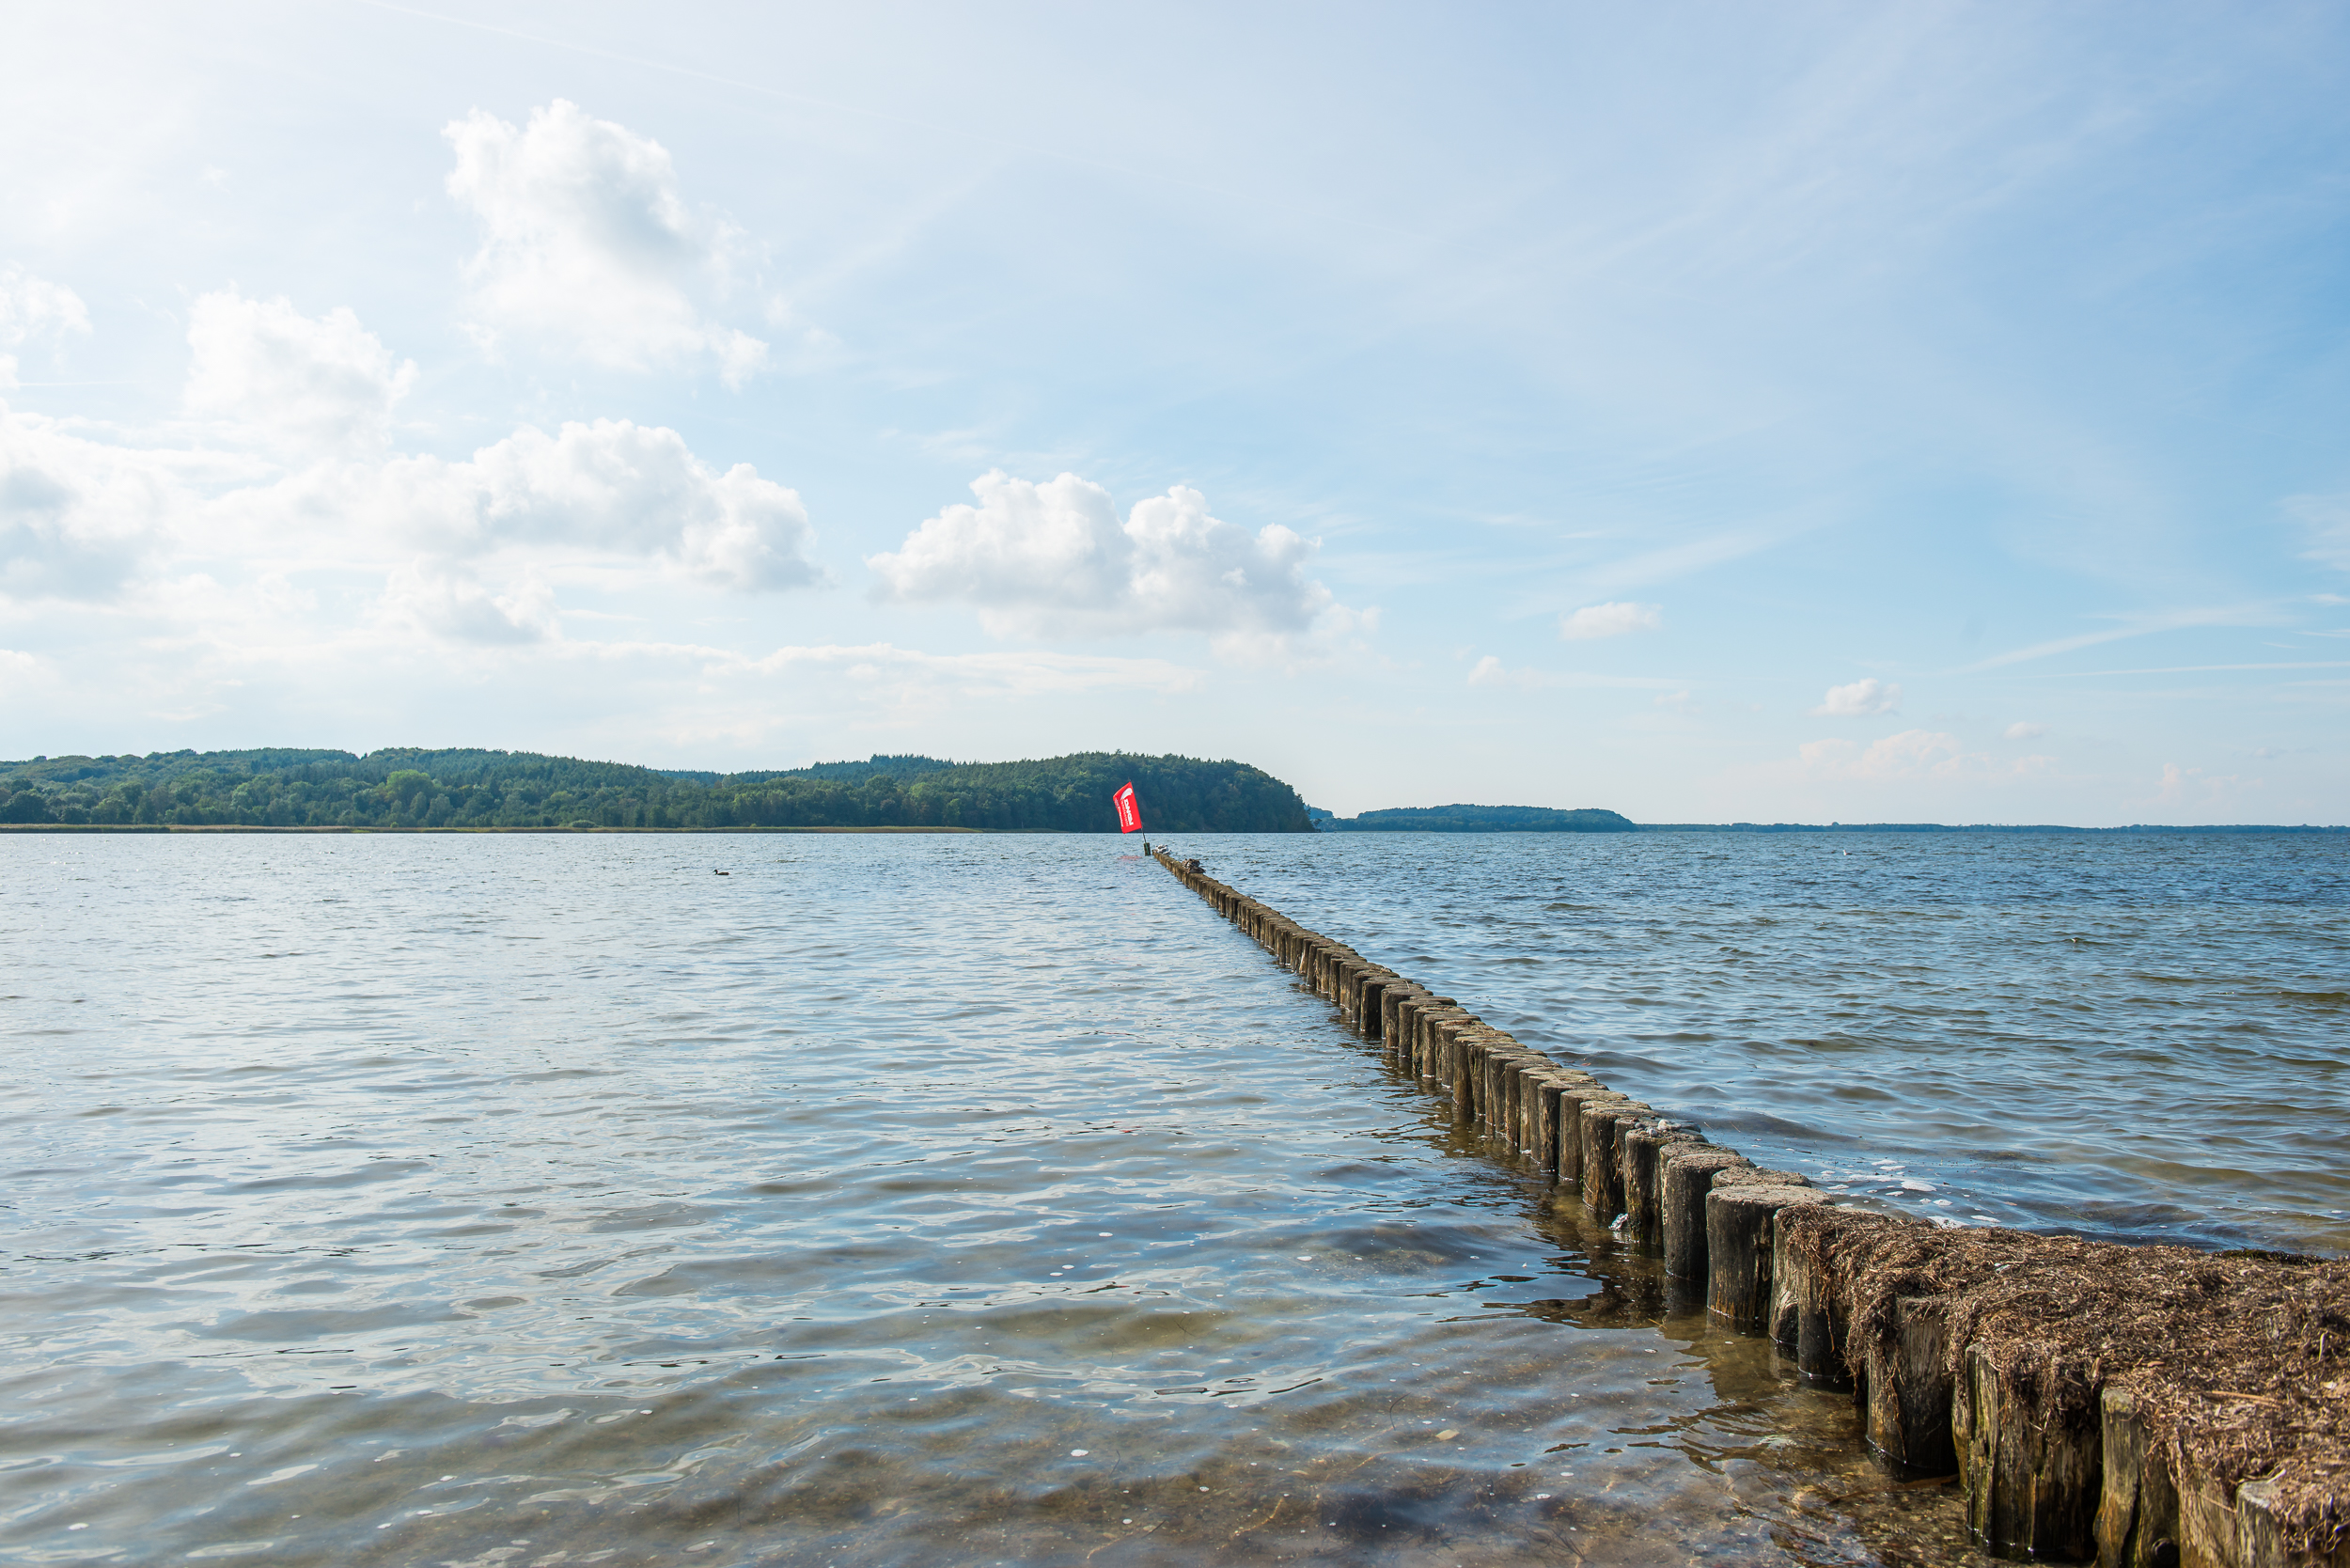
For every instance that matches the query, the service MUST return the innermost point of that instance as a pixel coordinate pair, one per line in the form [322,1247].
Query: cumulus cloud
[586,246]
[297,383]
[78,517]
[2024,729]
[1612,620]
[607,486]
[33,310]
[1053,559]
[450,601]
[465,548]
[1861,699]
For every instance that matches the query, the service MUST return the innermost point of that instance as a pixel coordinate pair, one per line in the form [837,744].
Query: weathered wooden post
[1572,1104]
[1555,1110]
[1527,1117]
[2026,1421]
[1816,1250]
[1642,1147]
[1738,1241]
[1434,1043]
[1521,1073]
[1602,1163]
[1686,1175]
[1370,998]
[1456,1068]
[1905,1385]
[2137,1505]
[1399,1017]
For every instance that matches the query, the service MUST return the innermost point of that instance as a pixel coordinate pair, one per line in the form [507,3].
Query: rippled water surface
[551,1200]
[2140,1038]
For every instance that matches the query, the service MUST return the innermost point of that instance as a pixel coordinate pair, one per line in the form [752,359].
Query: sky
[1805,413]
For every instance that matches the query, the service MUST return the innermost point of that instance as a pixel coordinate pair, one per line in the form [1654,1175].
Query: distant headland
[405,788]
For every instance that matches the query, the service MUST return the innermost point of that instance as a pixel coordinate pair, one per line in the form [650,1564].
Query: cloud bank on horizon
[531,398]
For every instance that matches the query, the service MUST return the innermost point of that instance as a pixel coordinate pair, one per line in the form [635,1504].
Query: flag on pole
[1128,814]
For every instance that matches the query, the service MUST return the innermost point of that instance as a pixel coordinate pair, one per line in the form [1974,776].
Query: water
[510,1202]
[2141,1039]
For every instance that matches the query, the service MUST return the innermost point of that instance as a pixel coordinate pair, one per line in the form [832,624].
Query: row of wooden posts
[1772,1256]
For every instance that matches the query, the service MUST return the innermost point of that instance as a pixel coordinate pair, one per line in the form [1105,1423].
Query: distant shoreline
[2139,830]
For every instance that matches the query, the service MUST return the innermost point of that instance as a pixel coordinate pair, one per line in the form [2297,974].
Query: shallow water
[550,1199]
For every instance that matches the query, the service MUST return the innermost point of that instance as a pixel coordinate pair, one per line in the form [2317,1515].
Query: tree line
[408,788]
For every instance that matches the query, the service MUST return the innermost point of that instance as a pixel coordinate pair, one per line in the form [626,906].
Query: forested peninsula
[403,787]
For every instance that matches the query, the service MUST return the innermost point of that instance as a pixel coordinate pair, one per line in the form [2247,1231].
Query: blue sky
[1797,412]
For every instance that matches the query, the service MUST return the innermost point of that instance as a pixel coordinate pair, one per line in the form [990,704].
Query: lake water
[513,1201]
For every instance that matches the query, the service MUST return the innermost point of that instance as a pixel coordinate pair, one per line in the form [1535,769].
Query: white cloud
[1053,559]
[606,487]
[32,310]
[294,382]
[449,602]
[588,248]
[78,517]
[1610,620]
[463,548]
[1861,699]
[2024,729]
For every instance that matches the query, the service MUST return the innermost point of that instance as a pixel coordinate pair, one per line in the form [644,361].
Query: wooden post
[1738,1242]
[1642,1148]
[1543,1085]
[1371,994]
[1520,1073]
[1406,1037]
[2026,1422]
[1456,1068]
[1553,1109]
[1571,1104]
[1526,1119]
[2138,1507]
[1494,1081]
[1602,1163]
[1392,1021]
[1813,1256]
[1434,1047]
[1467,1043]
[1904,1385]
[1748,1176]
[1686,1174]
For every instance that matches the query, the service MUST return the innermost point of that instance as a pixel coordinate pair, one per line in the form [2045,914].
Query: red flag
[1128,814]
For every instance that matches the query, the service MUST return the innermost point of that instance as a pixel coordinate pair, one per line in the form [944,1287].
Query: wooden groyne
[2137,1406]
